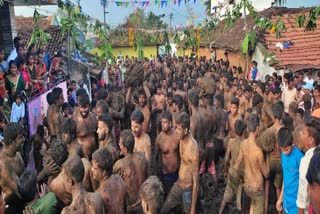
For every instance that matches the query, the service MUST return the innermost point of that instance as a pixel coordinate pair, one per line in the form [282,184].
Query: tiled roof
[57,39]
[305,52]
[27,23]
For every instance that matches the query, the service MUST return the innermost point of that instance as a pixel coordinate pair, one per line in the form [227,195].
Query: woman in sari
[14,80]
[42,74]
[32,73]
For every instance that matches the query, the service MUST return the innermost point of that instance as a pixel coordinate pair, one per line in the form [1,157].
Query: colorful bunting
[160,3]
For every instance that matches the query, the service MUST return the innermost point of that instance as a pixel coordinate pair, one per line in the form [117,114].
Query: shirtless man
[112,188]
[197,124]
[185,191]
[12,165]
[133,170]
[233,181]
[180,91]
[82,201]
[86,126]
[276,176]
[141,139]
[143,105]
[248,98]
[54,113]
[167,145]
[170,102]
[256,168]
[234,115]
[177,104]
[101,108]
[158,100]
[222,117]
[105,124]
[228,95]
[69,130]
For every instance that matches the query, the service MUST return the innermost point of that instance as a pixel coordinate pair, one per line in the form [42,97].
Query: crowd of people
[157,144]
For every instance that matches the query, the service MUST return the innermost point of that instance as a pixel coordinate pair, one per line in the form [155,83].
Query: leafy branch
[38,36]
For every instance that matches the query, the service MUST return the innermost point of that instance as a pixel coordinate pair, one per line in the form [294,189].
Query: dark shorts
[168,180]
[176,197]
[135,210]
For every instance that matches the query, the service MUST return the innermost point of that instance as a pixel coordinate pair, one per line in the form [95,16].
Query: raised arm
[128,95]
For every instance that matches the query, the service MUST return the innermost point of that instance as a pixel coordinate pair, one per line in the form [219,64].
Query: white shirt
[303,199]
[13,55]
[307,80]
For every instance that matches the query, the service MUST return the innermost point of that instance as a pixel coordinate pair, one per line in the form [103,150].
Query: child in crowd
[18,109]
[290,159]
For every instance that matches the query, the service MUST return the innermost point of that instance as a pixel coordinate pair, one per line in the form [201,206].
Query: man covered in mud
[12,165]
[142,140]
[166,153]
[54,113]
[132,169]
[111,187]
[185,191]
[198,120]
[86,126]
[105,124]
[143,105]
[82,201]
[256,168]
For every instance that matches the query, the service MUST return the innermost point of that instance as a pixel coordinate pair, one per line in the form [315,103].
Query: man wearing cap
[307,88]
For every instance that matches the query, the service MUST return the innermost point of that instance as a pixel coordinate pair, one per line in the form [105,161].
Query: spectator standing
[14,52]
[18,109]
[4,66]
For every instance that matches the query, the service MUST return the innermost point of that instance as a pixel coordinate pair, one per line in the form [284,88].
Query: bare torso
[143,144]
[113,192]
[86,132]
[168,145]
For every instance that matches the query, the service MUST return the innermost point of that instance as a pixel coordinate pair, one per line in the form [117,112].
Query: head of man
[170,99]
[276,94]
[310,133]
[285,140]
[137,119]
[313,178]
[257,100]
[182,125]
[69,130]
[235,102]
[166,121]
[207,100]
[102,164]
[193,98]
[219,101]
[27,184]
[152,195]
[253,124]
[159,89]
[73,172]
[248,92]
[84,105]
[277,110]
[57,96]
[177,103]
[105,124]
[126,142]
[174,86]
[142,98]
[290,83]
[13,135]
[101,108]
[58,151]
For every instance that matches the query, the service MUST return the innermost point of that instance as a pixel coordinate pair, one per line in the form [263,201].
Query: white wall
[264,68]
[259,5]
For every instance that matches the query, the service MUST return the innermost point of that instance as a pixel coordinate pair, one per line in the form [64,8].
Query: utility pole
[171,17]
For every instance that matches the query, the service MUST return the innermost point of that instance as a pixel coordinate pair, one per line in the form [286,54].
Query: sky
[117,15]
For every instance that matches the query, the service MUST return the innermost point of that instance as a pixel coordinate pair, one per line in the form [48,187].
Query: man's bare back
[113,193]
[143,145]
[85,203]
[130,168]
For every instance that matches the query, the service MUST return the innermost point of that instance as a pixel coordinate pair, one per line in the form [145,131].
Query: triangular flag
[143,3]
[162,3]
[147,3]
[156,2]
[117,3]
[179,2]
[127,4]
[133,4]
[194,1]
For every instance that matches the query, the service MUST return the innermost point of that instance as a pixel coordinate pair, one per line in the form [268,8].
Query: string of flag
[159,3]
